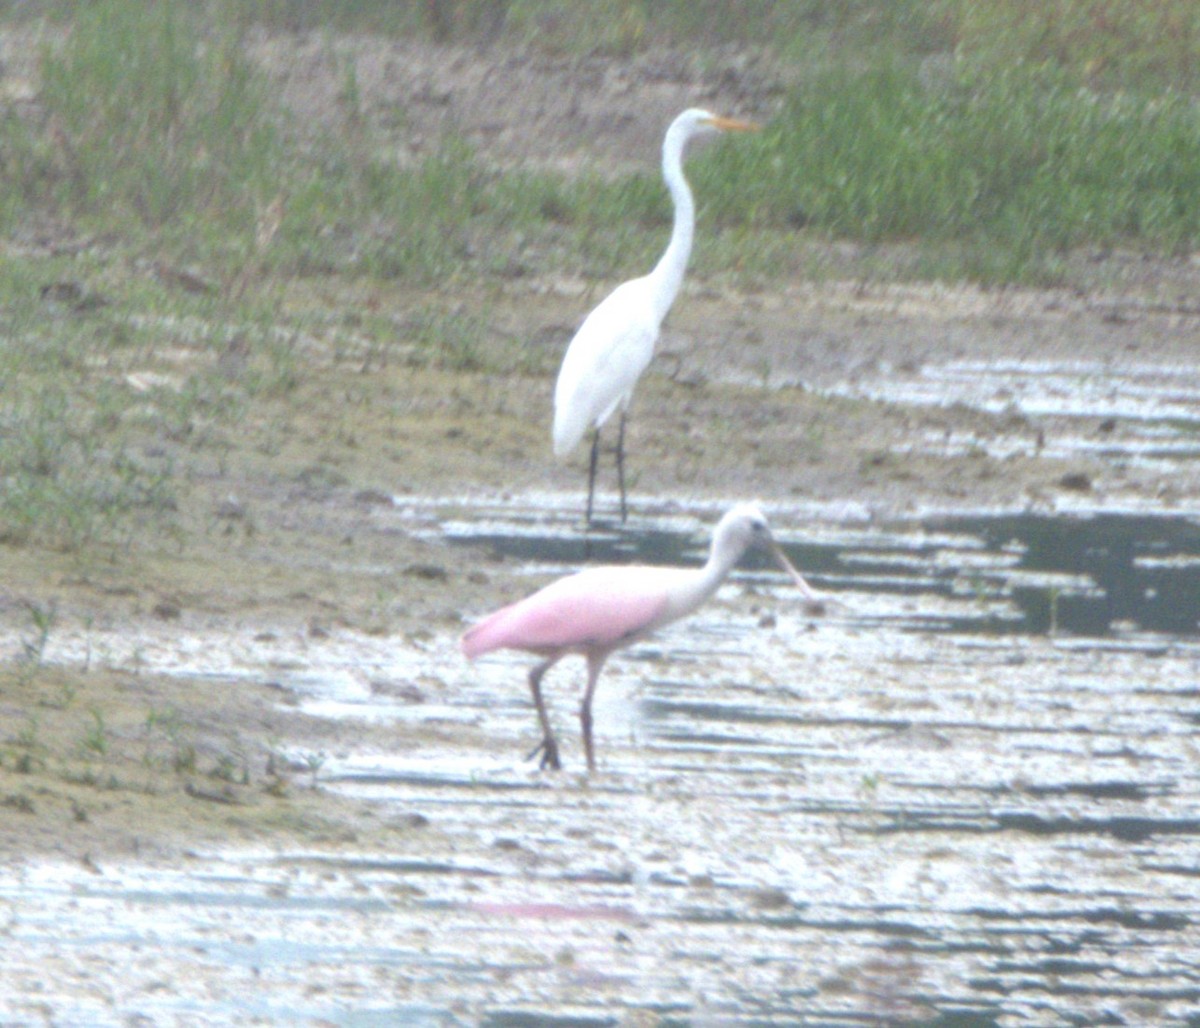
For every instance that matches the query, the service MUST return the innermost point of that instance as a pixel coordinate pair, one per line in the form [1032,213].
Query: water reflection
[918,810]
[1146,570]
[1094,576]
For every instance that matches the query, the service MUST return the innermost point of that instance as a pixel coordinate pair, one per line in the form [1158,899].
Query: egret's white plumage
[616,341]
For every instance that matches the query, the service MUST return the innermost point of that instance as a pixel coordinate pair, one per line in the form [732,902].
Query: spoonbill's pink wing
[596,607]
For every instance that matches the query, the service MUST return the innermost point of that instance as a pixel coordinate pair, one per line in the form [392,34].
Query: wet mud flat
[968,794]
[965,796]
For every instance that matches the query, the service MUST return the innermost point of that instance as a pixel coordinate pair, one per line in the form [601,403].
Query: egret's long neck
[668,272]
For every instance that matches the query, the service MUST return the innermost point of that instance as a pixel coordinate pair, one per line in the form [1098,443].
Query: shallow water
[1093,574]
[968,795]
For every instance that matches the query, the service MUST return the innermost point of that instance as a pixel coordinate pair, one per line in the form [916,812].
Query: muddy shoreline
[782,397]
[248,719]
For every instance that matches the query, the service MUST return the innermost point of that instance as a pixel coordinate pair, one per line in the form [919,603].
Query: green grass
[976,141]
[1039,135]
[1019,165]
[153,120]
[1109,45]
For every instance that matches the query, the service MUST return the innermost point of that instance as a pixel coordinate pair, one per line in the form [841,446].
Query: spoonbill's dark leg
[594,664]
[548,747]
[621,464]
[592,472]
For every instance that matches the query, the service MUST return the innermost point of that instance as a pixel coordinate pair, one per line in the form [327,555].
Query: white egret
[616,341]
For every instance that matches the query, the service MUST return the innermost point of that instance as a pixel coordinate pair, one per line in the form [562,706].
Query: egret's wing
[596,607]
[603,363]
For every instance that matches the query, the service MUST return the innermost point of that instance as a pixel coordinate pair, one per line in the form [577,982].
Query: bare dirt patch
[525,107]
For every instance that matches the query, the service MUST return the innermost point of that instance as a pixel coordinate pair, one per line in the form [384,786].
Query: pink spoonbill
[616,341]
[602,609]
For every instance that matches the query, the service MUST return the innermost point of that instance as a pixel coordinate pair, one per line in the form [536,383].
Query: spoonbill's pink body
[600,610]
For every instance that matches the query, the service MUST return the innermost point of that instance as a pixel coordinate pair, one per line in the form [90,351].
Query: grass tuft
[151,115]
[1025,165]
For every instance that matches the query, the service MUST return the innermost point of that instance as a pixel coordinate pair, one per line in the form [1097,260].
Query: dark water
[1008,706]
[969,795]
[1142,572]
[1146,569]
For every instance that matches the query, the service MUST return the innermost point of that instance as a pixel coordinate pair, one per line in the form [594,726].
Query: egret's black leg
[592,472]
[621,464]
